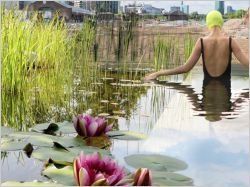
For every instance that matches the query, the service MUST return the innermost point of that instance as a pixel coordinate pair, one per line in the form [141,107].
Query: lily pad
[103,114]
[17,141]
[107,78]
[121,112]
[115,104]
[5,131]
[14,183]
[33,138]
[113,117]
[65,127]
[104,101]
[170,179]
[46,153]
[58,155]
[126,135]
[13,145]
[155,162]
[64,175]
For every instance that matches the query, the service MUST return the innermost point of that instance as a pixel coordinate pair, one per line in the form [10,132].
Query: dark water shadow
[215,101]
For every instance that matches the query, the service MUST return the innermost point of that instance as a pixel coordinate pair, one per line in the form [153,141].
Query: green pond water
[206,128]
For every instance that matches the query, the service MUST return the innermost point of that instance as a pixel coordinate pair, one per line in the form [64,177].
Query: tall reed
[188,45]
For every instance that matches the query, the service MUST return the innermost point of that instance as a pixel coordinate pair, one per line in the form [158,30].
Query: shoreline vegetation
[45,65]
[40,59]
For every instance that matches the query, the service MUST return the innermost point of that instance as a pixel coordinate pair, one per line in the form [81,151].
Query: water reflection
[214,102]
[16,166]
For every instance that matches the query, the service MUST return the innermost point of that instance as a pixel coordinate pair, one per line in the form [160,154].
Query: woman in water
[216,50]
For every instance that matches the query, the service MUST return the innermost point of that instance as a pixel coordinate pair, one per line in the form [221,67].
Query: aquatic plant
[142,177]
[86,125]
[162,53]
[26,51]
[189,43]
[92,170]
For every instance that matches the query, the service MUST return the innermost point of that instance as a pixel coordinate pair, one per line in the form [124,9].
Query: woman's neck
[216,31]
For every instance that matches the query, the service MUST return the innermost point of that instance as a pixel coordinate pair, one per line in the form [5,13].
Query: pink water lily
[93,170]
[143,177]
[86,125]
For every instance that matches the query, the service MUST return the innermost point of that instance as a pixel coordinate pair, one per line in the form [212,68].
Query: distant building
[49,8]
[176,15]
[184,8]
[149,9]
[71,3]
[79,4]
[175,8]
[230,9]
[220,6]
[107,6]
[143,9]
[99,6]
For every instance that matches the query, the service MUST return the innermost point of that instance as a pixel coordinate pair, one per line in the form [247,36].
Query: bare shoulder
[220,38]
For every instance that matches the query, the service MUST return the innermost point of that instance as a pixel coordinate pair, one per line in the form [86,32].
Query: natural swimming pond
[182,129]
[206,128]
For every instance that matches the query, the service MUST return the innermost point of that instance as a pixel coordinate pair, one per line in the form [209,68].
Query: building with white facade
[145,9]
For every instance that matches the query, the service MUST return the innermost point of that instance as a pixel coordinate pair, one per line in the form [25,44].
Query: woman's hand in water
[151,76]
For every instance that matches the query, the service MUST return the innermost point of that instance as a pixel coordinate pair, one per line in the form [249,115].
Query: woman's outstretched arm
[239,54]
[192,60]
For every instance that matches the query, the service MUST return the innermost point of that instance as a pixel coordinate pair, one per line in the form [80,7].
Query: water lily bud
[143,177]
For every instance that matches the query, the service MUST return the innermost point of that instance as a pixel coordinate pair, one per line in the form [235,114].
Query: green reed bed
[28,48]
[36,64]
[164,52]
[189,43]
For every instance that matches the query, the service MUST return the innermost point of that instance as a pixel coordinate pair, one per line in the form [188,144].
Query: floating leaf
[59,146]
[17,141]
[33,138]
[116,93]
[5,131]
[170,179]
[136,81]
[107,78]
[125,80]
[97,83]
[104,101]
[155,162]
[115,104]
[103,114]
[59,164]
[121,112]
[129,85]
[14,183]
[65,127]
[64,175]
[12,145]
[46,153]
[113,117]
[126,135]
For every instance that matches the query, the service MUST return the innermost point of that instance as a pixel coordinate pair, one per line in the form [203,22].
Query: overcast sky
[200,5]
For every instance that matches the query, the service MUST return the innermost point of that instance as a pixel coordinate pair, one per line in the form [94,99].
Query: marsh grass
[189,43]
[165,52]
[48,72]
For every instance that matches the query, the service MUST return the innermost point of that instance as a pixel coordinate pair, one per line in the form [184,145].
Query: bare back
[216,55]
